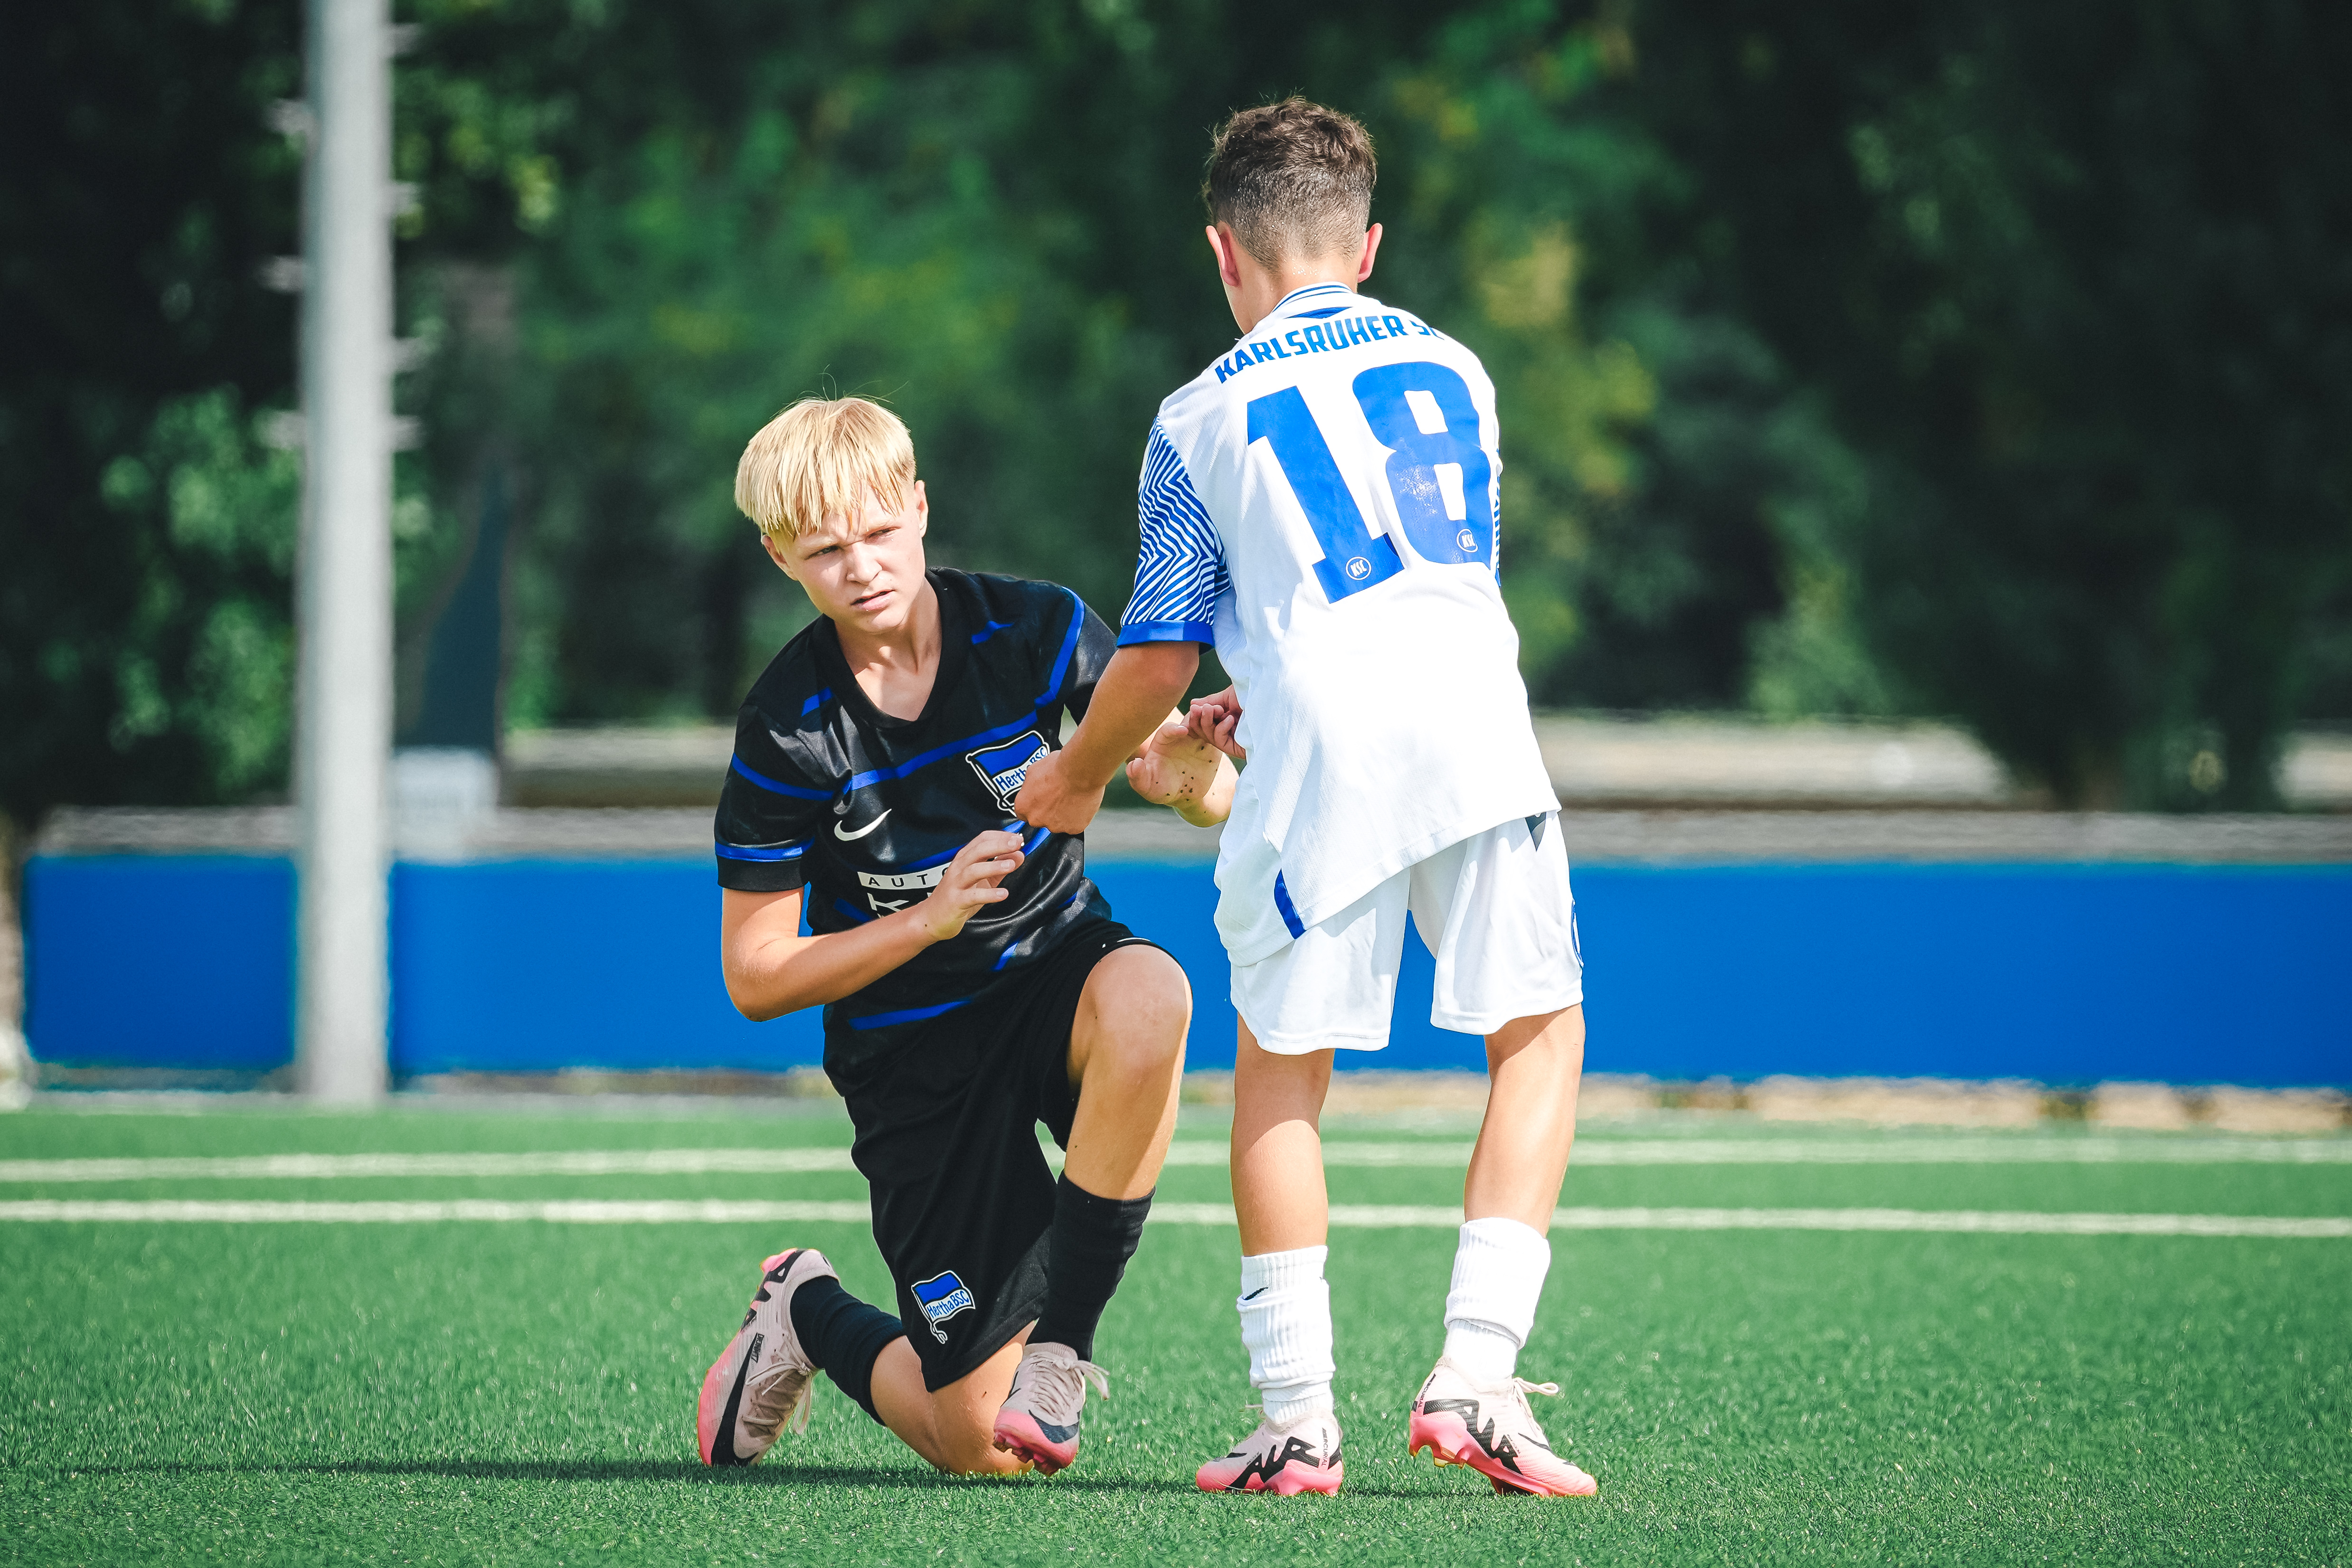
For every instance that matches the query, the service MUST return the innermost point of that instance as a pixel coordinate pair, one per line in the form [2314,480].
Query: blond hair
[823,457]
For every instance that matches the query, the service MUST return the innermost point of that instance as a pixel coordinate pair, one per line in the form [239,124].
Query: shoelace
[795,1420]
[1088,1372]
[1519,1389]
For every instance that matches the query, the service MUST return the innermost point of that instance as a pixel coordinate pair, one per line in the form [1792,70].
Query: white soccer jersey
[1321,505]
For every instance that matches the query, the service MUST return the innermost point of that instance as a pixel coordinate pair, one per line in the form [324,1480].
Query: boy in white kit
[1320,505]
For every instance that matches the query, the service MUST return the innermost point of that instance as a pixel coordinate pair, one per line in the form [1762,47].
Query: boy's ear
[922,511]
[1371,249]
[775,553]
[1222,241]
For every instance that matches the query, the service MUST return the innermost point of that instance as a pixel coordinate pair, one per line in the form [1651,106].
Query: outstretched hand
[1213,720]
[1176,768]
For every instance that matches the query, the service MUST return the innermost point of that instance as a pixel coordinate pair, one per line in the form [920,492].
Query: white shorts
[1496,911]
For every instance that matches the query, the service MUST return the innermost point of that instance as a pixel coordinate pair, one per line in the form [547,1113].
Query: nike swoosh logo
[861,833]
[722,1443]
[1256,1293]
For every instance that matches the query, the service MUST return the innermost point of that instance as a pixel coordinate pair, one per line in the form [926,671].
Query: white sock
[1286,1309]
[1498,1274]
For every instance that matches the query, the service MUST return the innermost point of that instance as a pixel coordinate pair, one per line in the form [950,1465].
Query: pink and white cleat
[761,1382]
[1303,1456]
[1492,1431]
[1040,1419]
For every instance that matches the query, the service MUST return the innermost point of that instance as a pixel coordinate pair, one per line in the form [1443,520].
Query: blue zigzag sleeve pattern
[1181,567]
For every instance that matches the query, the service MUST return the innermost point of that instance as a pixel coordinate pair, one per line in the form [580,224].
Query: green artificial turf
[524,1393]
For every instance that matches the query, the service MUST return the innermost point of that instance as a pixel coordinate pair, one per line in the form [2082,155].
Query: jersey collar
[1313,297]
[955,644]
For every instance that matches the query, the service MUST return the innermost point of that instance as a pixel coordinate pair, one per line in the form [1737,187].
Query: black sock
[1092,1240]
[843,1335]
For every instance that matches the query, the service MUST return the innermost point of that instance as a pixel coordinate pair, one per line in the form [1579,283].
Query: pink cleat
[1492,1431]
[1040,1419]
[761,1382]
[1303,1456]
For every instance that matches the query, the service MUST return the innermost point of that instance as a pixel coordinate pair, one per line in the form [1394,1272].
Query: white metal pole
[343,722]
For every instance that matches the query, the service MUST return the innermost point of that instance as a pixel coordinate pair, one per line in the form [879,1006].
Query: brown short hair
[820,458]
[1294,180]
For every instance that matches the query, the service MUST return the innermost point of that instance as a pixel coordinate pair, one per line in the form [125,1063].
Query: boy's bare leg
[1286,1306]
[1473,1408]
[1127,1062]
[1533,1066]
[1277,1160]
[1126,1058]
[951,1428]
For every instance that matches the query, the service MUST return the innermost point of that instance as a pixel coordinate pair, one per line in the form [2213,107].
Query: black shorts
[946,1136]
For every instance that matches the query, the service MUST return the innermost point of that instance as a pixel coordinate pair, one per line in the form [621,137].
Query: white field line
[2092,1150]
[1358,1216]
[556,1211]
[319,1167]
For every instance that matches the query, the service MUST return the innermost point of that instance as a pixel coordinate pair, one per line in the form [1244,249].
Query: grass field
[462,1392]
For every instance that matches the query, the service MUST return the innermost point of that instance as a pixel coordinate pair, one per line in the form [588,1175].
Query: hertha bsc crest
[942,1297]
[1003,768]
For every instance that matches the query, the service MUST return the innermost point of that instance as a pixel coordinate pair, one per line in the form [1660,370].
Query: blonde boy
[973,981]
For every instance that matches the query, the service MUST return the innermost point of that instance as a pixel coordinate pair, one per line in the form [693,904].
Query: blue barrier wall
[2061,974]
[159,960]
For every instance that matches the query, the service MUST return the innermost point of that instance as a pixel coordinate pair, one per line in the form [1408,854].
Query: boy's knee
[1146,1002]
[1553,1039]
[975,1453]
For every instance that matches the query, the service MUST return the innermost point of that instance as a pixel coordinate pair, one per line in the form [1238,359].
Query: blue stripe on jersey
[986,737]
[925,758]
[1181,569]
[774,786]
[990,630]
[817,702]
[763,851]
[942,858]
[853,912]
[1282,903]
[1136,632]
[1029,847]
[883,1020]
[1069,647]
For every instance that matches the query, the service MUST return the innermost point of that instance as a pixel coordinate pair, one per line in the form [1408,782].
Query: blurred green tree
[989,215]
[147,525]
[2078,282]
[145,530]
[1982,359]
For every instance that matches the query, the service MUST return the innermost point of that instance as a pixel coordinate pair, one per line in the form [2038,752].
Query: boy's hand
[1048,800]
[1178,769]
[971,881]
[1214,719]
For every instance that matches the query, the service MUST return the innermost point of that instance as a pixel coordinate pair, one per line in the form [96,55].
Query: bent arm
[771,968]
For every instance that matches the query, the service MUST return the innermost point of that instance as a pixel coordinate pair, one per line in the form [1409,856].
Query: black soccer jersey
[865,810]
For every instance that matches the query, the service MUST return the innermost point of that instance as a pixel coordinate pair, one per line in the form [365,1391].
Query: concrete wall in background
[1710,955]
